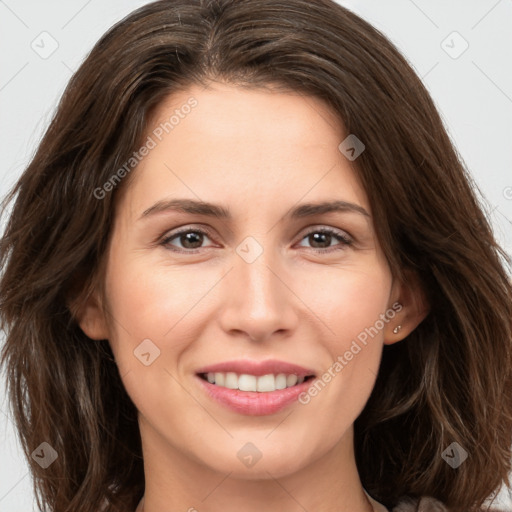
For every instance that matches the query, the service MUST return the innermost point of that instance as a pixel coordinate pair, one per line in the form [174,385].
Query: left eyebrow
[309,209]
[214,210]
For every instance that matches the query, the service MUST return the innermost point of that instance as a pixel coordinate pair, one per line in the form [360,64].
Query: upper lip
[257,368]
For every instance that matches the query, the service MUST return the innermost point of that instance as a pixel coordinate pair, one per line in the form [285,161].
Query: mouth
[255,383]
[254,388]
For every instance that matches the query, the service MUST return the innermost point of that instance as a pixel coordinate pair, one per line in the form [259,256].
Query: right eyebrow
[188,206]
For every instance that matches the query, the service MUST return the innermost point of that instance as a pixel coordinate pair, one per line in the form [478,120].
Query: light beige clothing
[425,504]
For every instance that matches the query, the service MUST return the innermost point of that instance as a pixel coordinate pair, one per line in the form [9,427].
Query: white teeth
[246,382]
[231,381]
[281,381]
[266,383]
[220,378]
[291,380]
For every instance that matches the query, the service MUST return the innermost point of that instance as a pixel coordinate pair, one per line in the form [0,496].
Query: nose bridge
[261,284]
[258,303]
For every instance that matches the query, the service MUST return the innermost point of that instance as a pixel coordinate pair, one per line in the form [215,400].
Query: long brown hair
[449,381]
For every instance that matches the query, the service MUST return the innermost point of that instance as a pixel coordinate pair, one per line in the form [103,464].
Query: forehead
[223,141]
[225,110]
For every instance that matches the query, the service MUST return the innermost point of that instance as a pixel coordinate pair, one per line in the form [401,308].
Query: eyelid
[165,239]
[345,239]
[313,228]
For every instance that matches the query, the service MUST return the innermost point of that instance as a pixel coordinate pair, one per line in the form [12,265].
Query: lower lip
[253,403]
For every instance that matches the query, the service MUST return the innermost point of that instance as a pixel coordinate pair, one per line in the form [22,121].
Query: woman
[247,270]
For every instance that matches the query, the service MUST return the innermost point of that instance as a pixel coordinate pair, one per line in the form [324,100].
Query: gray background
[43,42]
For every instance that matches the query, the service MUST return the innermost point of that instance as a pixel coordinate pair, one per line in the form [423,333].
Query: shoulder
[429,504]
[423,504]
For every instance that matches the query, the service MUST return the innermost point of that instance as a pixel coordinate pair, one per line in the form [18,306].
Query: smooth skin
[257,153]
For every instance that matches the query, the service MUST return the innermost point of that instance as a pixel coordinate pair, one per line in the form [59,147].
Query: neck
[140,507]
[179,482]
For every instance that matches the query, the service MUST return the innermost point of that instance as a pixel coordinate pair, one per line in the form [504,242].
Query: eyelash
[345,240]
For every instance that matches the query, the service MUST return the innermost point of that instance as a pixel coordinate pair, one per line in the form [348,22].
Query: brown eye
[188,239]
[321,239]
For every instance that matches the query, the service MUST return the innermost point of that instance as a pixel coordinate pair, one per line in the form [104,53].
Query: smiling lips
[255,388]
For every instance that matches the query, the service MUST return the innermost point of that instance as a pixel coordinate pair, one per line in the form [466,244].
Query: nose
[258,301]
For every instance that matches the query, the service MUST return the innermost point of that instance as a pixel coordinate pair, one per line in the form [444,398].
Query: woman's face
[259,277]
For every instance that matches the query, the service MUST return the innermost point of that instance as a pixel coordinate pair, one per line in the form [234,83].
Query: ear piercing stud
[397,329]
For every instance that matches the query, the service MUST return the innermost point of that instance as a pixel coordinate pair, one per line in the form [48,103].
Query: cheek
[354,311]
[151,300]
[352,301]
[154,310]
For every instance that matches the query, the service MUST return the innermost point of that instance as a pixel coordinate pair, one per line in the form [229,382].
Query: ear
[414,308]
[91,318]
